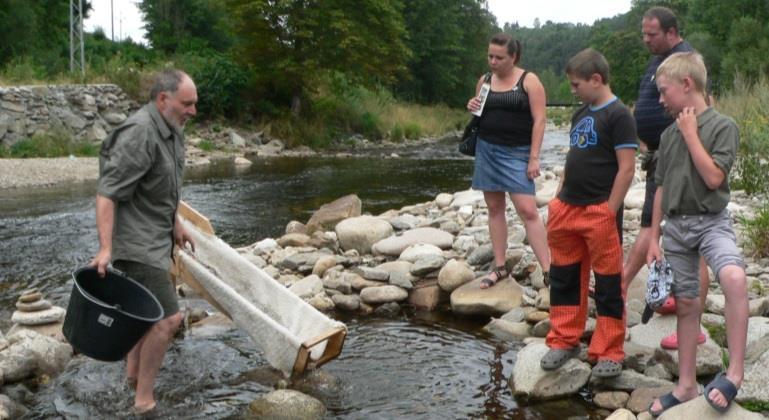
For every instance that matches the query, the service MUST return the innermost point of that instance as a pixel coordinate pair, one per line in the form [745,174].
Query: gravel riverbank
[46,172]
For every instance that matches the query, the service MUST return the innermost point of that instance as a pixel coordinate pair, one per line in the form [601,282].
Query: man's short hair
[588,62]
[666,17]
[167,80]
[685,64]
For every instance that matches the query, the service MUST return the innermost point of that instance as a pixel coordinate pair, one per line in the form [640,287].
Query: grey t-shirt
[684,190]
[141,164]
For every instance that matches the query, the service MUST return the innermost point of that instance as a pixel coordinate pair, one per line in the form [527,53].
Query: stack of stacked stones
[37,314]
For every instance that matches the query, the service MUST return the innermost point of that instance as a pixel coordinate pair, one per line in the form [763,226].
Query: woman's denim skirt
[501,168]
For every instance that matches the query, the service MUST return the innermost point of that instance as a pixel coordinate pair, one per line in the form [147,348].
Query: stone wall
[86,112]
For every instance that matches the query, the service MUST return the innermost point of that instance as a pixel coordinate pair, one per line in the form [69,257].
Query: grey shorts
[685,238]
[158,281]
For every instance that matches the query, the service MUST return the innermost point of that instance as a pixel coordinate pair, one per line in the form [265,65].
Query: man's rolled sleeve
[125,158]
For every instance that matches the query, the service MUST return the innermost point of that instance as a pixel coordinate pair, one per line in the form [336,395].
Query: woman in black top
[510,136]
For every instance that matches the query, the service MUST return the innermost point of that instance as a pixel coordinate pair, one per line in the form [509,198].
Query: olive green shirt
[141,164]
[684,190]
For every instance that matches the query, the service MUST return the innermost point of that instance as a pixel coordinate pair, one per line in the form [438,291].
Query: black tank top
[506,118]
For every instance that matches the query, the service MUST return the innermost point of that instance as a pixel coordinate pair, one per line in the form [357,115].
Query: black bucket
[107,316]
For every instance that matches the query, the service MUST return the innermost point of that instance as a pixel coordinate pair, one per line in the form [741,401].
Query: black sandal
[501,272]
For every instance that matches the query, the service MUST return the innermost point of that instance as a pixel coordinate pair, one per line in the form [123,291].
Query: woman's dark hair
[506,40]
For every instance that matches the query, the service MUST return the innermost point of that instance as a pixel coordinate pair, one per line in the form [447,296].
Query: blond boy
[696,155]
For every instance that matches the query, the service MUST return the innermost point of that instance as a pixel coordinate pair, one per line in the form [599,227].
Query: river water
[416,365]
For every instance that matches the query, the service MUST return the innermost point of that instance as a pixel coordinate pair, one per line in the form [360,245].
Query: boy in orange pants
[584,228]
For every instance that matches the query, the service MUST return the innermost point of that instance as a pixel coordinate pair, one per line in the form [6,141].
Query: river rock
[296,226]
[756,364]
[39,305]
[470,299]
[427,264]
[641,398]
[294,239]
[511,331]
[404,222]
[372,273]
[323,264]
[425,297]
[328,215]
[388,310]
[47,316]
[529,380]
[418,251]
[265,246]
[758,307]
[3,341]
[338,281]
[383,294]
[698,408]
[541,328]
[359,283]
[30,296]
[611,399]
[286,404]
[518,314]
[464,244]
[443,200]
[635,197]
[546,192]
[715,304]
[481,255]
[10,409]
[543,299]
[360,233]
[465,198]
[294,261]
[394,245]
[628,380]
[454,274]
[346,302]
[48,356]
[307,287]
[621,414]
[322,302]
[709,359]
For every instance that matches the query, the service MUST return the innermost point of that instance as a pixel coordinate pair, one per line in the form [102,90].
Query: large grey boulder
[506,330]
[756,363]
[395,245]
[399,273]
[360,233]
[286,404]
[529,380]
[419,251]
[470,299]
[328,215]
[628,380]
[466,198]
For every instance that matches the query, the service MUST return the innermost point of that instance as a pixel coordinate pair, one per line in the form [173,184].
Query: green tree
[448,40]
[186,25]
[289,43]
[37,29]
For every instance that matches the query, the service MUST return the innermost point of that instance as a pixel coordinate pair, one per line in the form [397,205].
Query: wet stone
[39,305]
[30,297]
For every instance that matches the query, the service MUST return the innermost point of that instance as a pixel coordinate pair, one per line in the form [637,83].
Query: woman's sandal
[501,272]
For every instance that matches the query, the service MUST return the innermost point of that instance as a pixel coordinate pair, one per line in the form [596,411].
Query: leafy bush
[756,232]
[53,144]
[220,83]
[412,130]
[396,134]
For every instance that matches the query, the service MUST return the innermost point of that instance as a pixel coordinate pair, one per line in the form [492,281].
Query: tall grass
[748,104]
[54,144]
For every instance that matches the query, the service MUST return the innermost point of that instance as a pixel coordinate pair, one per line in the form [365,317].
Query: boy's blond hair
[586,63]
[685,64]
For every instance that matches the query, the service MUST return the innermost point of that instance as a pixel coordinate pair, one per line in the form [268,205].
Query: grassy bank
[748,104]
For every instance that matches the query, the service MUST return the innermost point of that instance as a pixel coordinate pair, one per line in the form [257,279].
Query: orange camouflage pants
[581,238]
